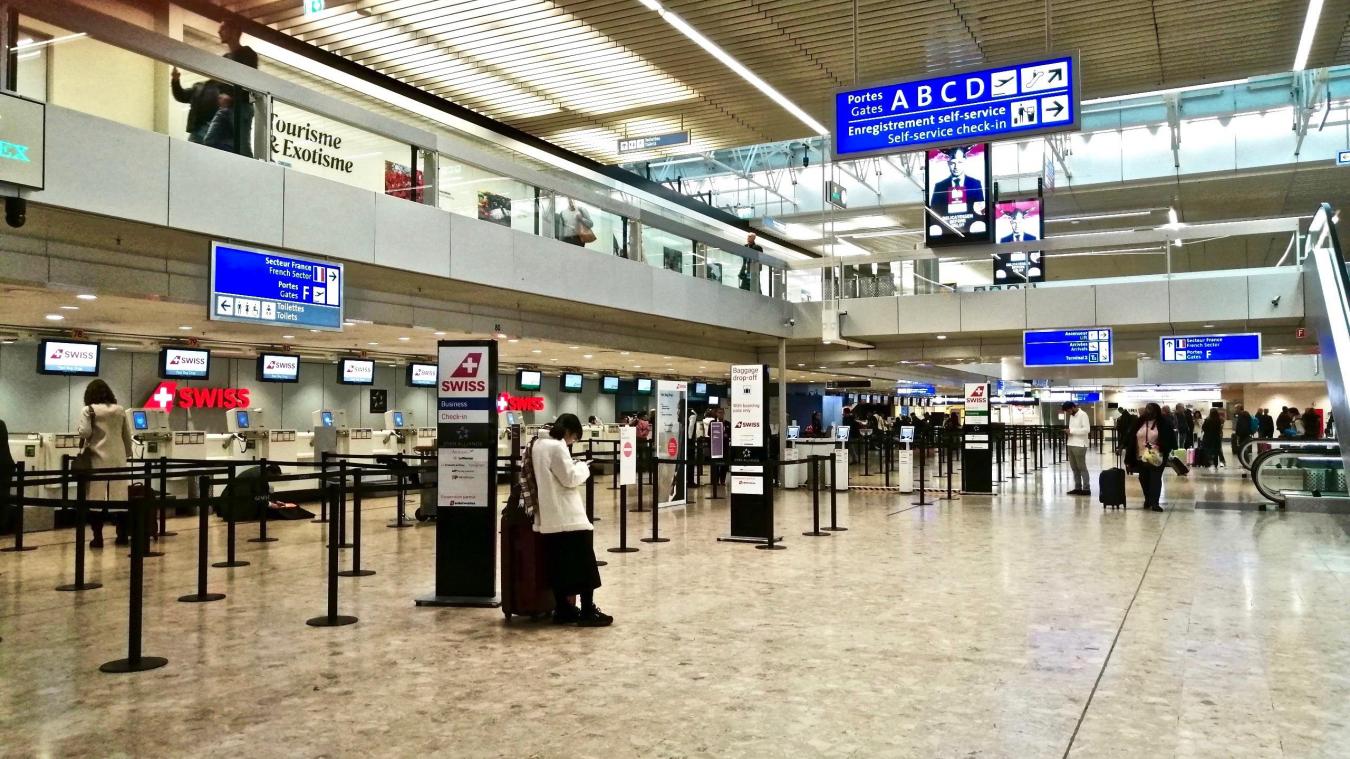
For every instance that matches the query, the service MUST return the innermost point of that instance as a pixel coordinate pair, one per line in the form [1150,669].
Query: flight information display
[1090,346]
[1187,349]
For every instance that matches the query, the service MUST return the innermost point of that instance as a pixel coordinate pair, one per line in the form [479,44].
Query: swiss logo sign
[469,366]
[168,394]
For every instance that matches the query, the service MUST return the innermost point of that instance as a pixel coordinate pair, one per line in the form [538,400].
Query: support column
[782,400]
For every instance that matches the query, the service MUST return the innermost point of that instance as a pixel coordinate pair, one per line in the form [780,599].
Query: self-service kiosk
[403,437]
[793,474]
[904,459]
[28,449]
[351,441]
[153,439]
[248,433]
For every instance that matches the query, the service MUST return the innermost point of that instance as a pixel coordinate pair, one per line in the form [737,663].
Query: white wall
[1277,396]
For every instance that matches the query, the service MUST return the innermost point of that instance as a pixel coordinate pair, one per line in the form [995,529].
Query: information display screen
[1068,347]
[421,375]
[1016,222]
[184,363]
[644,386]
[356,371]
[570,383]
[1188,349]
[1035,97]
[698,389]
[275,367]
[529,380]
[958,181]
[70,358]
[609,384]
[261,287]
[241,420]
[923,391]
[140,421]
[398,420]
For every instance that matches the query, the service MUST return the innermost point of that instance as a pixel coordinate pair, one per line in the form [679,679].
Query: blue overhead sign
[972,106]
[261,287]
[926,391]
[1187,349]
[652,142]
[1068,347]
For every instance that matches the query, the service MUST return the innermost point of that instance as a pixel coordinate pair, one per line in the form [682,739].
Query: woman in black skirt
[569,554]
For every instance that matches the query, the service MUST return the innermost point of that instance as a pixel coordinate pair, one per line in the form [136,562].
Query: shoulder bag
[84,460]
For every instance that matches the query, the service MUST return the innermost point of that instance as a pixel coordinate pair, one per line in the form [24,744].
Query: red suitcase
[525,589]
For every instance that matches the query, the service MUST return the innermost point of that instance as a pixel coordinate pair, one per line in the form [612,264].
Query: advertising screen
[529,380]
[570,382]
[184,363]
[609,384]
[1018,221]
[644,386]
[356,371]
[1067,347]
[421,375]
[274,367]
[69,358]
[957,180]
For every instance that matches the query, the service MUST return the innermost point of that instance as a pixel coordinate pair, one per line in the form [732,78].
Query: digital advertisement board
[184,363]
[1192,349]
[957,179]
[1090,346]
[262,287]
[1018,222]
[1022,99]
[68,357]
[275,367]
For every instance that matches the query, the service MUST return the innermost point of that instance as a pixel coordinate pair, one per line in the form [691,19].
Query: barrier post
[590,506]
[1026,436]
[332,618]
[81,518]
[137,514]
[770,544]
[640,507]
[951,455]
[998,454]
[401,497]
[147,476]
[356,570]
[623,518]
[815,500]
[18,546]
[922,439]
[164,498]
[834,500]
[230,560]
[340,506]
[262,513]
[323,489]
[203,545]
[656,509]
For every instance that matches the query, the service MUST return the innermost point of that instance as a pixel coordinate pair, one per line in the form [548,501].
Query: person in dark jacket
[1312,424]
[1154,431]
[1284,421]
[1265,424]
[202,99]
[1211,438]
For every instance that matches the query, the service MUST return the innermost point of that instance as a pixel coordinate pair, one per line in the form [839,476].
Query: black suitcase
[1111,487]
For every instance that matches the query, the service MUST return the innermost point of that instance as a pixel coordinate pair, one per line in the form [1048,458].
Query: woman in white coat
[106,435]
[566,532]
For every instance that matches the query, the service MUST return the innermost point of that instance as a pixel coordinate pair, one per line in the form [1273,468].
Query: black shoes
[593,617]
[1076,491]
[1155,508]
[567,615]
[96,543]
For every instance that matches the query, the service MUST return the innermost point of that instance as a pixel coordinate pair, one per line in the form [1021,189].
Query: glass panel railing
[470,191]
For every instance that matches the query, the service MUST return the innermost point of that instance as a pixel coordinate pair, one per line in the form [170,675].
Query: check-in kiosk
[351,441]
[28,449]
[248,431]
[403,437]
[835,446]
[793,474]
[904,459]
[153,439]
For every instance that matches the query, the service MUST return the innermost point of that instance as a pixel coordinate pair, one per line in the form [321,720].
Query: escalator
[1326,307]
[1305,477]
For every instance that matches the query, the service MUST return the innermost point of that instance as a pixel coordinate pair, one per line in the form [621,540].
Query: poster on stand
[466,462]
[976,459]
[751,494]
[628,456]
[672,402]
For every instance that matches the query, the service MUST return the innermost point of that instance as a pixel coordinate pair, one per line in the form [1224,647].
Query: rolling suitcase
[1111,487]
[525,589]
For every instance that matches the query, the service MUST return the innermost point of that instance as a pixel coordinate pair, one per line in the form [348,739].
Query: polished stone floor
[1029,624]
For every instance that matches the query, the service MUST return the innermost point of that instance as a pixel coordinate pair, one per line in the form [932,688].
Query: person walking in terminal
[1243,428]
[1080,428]
[568,536]
[575,225]
[1265,424]
[1312,424]
[1124,424]
[105,434]
[1211,438]
[1149,442]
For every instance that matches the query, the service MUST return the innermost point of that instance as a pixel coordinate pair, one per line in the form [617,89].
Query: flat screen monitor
[570,382]
[906,434]
[398,420]
[957,181]
[644,386]
[713,400]
[241,419]
[184,363]
[609,384]
[527,379]
[69,358]
[140,421]
[275,367]
[326,417]
[422,375]
[356,371]
[841,433]
[794,432]
[1019,222]
[512,419]
[698,389]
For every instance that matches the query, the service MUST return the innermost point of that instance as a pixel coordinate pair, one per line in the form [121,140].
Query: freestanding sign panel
[261,287]
[466,462]
[671,403]
[976,459]
[1019,100]
[628,456]
[751,496]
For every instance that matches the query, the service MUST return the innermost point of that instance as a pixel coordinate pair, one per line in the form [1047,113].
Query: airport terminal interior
[674,378]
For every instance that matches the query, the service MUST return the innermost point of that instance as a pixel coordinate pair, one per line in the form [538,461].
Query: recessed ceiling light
[288,337]
[87,296]
[372,343]
[553,359]
[185,327]
[70,308]
[666,357]
[637,366]
[586,355]
[514,340]
[572,347]
[315,331]
[112,347]
[623,353]
[536,350]
[404,339]
[942,337]
[438,334]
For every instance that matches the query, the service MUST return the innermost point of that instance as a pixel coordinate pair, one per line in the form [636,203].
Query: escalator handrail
[1325,449]
[1248,459]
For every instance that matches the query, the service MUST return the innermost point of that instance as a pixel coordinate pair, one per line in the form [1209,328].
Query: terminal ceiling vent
[584,73]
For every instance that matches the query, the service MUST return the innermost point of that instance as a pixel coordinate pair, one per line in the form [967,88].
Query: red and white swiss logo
[168,394]
[469,367]
[163,397]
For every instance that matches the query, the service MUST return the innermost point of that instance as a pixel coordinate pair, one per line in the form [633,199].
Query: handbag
[84,460]
[1150,456]
[585,231]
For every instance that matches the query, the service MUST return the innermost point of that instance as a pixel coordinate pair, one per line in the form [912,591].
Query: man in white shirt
[1077,444]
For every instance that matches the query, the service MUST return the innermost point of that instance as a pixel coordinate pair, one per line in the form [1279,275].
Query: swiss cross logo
[469,366]
[507,402]
[163,396]
[977,393]
[503,403]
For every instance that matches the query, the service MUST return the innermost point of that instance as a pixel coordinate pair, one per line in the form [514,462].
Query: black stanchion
[590,507]
[340,506]
[332,618]
[146,476]
[656,508]
[262,512]
[323,488]
[640,507]
[81,519]
[203,545]
[356,570]
[401,498]
[770,544]
[815,500]
[998,451]
[923,460]
[623,520]
[164,498]
[230,560]
[18,546]
[951,456]
[834,500]
[137,513]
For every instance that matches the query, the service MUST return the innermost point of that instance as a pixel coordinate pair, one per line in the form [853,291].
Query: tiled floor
[979,627]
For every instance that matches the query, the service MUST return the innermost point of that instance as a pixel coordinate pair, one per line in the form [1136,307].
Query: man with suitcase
[1077,444]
